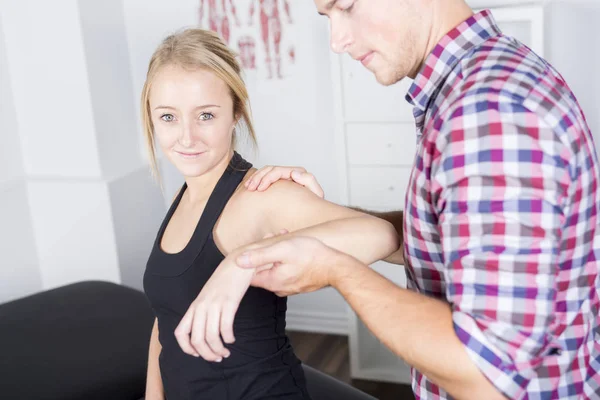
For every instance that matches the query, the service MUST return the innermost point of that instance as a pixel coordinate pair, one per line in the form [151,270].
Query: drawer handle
[389,145]
[391,188]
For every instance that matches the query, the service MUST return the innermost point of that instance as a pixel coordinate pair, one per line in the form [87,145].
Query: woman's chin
[190,170]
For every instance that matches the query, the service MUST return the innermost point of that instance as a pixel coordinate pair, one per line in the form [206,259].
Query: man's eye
[346,8]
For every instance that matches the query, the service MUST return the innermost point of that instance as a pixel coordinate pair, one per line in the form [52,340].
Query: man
[501,220]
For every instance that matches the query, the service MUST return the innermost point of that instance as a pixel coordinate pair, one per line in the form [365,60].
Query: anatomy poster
[260,31]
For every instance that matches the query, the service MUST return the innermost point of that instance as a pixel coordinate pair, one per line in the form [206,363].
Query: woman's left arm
[294,208]
[208,321]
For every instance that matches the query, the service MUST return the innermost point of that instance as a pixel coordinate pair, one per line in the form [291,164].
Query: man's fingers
[308,180]
[249,180]
[269,236]
[276,174]
[278,252]
[263,280]
[264,268]
[267,181]
[281,232]
[255,180]
[266,176]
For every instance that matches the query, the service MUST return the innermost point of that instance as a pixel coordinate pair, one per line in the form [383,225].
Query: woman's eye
[206,116]
[167,117]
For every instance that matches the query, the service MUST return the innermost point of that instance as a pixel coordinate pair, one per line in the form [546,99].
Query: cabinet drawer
[378,187]
[381,143]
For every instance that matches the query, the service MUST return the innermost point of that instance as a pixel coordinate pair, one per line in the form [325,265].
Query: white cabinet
[375,144]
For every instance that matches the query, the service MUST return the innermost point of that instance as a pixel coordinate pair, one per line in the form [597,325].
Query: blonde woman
[194,104]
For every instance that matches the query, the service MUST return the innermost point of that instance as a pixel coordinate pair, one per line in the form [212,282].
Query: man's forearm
[417,328]
[396,218]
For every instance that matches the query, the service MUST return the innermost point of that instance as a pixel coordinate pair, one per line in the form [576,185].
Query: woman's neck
[199,188]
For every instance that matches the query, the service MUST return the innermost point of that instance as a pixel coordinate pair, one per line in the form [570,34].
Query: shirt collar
[447,53]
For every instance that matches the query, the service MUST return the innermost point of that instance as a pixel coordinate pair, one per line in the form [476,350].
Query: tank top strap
[227,185]
[170,212]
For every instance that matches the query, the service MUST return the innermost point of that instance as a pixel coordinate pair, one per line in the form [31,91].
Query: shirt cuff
[491,361]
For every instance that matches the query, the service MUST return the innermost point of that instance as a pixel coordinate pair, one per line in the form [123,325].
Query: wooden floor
[329,354]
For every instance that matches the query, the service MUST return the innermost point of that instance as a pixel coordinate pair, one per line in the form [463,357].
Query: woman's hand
[266,176]
[211,315]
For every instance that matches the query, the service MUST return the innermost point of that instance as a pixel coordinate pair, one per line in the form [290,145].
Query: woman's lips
[188,155]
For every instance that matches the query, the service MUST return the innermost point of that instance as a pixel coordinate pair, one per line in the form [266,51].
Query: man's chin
[384,79]
[387,78]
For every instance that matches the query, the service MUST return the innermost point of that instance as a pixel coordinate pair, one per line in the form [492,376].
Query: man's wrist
[340,267]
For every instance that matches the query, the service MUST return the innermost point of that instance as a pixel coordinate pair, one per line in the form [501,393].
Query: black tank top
[262,364]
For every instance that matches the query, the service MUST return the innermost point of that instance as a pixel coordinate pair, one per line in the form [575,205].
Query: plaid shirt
[501,214]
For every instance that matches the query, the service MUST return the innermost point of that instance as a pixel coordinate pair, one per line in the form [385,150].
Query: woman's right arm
[154,386]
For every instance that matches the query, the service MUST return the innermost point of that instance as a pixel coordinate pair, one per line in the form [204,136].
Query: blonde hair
[196,49]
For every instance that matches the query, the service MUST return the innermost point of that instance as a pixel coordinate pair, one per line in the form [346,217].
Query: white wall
[19,269]
[574,50]
[137,211]
[110,86]
[74,232]
[71,149]
[11,161]
[19,272]
[54,72]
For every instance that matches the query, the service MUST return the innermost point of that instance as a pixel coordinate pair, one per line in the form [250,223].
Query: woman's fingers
[182,333]
[213,331]
[198,336]
[227,318]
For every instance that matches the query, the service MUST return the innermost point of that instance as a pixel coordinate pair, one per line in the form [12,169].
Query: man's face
[387,36]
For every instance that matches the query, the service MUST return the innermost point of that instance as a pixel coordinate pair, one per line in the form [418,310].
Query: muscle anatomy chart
[218,16]
[271,30]
[266,26]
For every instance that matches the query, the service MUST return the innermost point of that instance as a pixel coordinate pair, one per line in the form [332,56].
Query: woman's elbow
[388,237]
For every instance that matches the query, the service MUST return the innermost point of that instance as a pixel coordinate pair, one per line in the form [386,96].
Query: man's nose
[340,36]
